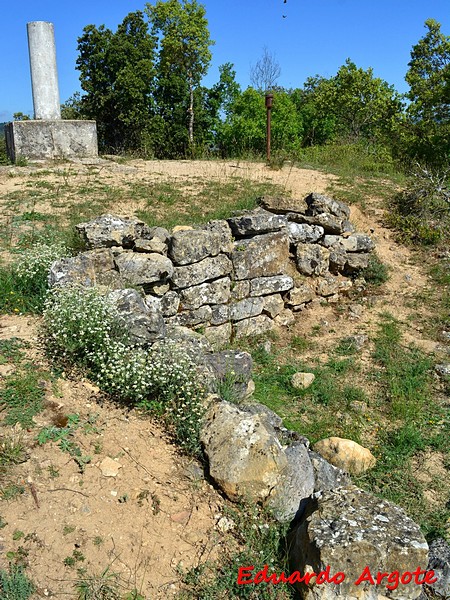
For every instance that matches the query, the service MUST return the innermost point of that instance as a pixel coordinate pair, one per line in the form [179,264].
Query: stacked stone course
[233,277]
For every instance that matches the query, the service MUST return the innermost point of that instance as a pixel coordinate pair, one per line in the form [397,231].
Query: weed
[376,273]
[14,584]
[98,540]
[11,491]
[76,557]
[300,343]
[68,529]
[53,472]
[22,395]
[104,586]
[18,535]
[12,450]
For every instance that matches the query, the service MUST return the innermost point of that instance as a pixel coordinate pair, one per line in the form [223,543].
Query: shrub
[24,283]
[82,327]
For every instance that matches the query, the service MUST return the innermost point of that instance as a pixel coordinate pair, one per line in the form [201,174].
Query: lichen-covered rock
[88,269]
[189,343]
[285,318]
[327,285]
[190,318]
[338,260]
[187,247]
[262,286]
[153,245]
[222,229]
[240,289]
[207,269]
[328,222]
[355,262]
[326,475]
[220,313]
[245,457]
[214,292]
[312,259]
[357,242]
[109,230]
[140,269]
[351,531]
[233,368]
[304,233]
[440,563]
[319,204]
[170,303]
[283,206]
[302,381]
[261,256]
[346,454]
[144,324]
[300,294]
[256,222]
[296,484]
[248,307]
[218,335]
[273,305]
[252,326]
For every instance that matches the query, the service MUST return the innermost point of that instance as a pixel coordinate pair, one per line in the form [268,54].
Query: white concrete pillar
[44,74]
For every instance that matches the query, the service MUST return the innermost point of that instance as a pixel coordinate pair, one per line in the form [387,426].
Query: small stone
[181,517]
[302,381]
[443,370]
[346,454]
[110,467]
[225,524]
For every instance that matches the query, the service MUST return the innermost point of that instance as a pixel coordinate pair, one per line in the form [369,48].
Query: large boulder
[346,454]
[353,532]
[440,563]
[261,256]
[245,456]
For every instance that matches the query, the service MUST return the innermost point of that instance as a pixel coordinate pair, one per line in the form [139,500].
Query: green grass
[14,584]
[22,395]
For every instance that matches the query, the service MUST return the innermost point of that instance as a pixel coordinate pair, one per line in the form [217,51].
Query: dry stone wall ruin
[230,278]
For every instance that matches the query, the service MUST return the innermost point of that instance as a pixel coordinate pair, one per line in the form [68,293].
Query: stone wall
[230,278]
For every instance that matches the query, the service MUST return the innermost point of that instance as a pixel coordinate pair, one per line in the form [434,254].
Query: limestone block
[357,242]
[329,223]
[349,530]
[153,245]
[240,289]
[88,268]
[140,269]
[355,262]
[327,285]
[304,233]
[273,305]
[326,475]
[170,303]
[319,204]
[214,292]
[252,326]
[187,247]
[300,294]
[346,454]
[261,256]
[222,229]
[296,484]
[144,322]
[312,259]
[261,286]
[205,270]
[109,230]
[220,313]
[232,368]
[248,307]
[218,335]
[190,318]
[256,222]
[245,457]
[285,318]
[283,206]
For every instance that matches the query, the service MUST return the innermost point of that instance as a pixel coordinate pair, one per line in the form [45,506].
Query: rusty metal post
[269,102]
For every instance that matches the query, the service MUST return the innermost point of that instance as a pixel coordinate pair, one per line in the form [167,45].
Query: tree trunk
[191,112]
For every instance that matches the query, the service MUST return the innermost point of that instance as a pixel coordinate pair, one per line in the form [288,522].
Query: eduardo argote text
[390,580]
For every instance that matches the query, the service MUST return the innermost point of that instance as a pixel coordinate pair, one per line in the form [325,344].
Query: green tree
[117,75]
[429,80]
[183,58]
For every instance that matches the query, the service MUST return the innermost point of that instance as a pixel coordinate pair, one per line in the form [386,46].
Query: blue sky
[315,37]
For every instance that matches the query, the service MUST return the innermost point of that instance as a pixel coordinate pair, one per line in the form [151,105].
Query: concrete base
[44,140]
